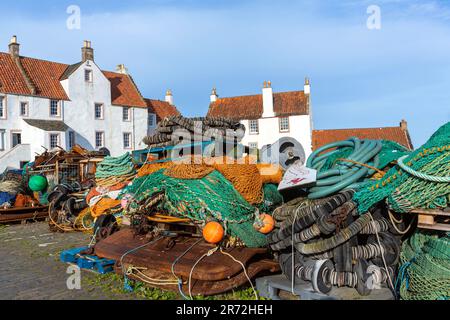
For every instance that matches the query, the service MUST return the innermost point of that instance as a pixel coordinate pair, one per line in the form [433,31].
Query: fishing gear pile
[171,130]
[320,235]
[231,194]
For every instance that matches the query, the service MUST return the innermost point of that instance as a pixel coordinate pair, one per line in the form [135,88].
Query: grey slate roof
[47,125]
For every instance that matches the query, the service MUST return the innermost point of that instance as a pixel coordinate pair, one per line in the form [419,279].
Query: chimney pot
[122,69]
[307,86]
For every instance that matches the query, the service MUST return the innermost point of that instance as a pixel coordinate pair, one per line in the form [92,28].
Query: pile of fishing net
[350,163]
[232,194]
[425,270]
[171,130]
[115,170]
[14,192]
[419,180]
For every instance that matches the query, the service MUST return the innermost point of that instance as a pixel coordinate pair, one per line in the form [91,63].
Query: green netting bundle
[404,191]
[115,167]
[425,270]
[211,197]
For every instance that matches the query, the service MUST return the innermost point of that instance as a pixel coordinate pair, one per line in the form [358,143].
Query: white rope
[245,272]
[209,253]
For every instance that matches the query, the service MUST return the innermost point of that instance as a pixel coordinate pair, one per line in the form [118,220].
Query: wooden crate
[433,219]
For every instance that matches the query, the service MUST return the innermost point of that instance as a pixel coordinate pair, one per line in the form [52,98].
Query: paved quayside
[30,266]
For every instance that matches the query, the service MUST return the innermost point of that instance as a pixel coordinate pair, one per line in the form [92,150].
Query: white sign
[297,175]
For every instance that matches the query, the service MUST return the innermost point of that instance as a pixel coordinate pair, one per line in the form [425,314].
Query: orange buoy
[213,232]
[265,224]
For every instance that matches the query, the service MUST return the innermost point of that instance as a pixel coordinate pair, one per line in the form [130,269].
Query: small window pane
[284,124]
[54,140]
[151,120]
[2,107]
[99,139]
[254,126]
[127,140]
[54,108]
[98,111]
[88,75]
[71,139]
[24,108]
[126,114]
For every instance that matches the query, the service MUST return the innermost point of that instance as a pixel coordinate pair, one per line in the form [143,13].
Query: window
[16,139]
[99,139]
[2,139]
[98,111]
[284,124]
[88,75]
[54,108]
[2,108]
[24,109]
[253,145]
[254,127]
[127,140]
[151,120]
[54,140]
[71,139]
[126,114]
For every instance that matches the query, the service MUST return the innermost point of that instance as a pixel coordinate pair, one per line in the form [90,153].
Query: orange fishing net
[103,206]
[246,176]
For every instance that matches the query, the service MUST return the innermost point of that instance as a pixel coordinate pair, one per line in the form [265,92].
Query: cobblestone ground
[30,268]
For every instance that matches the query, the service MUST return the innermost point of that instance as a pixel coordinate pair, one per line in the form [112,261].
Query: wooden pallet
[433,219]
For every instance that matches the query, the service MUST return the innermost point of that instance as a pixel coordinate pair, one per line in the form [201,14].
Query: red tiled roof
[11,80]
[397,134]
[45,77]
[123,90]
[251,107]
[162,109]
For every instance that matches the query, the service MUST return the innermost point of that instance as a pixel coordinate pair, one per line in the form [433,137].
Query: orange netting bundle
[103,206]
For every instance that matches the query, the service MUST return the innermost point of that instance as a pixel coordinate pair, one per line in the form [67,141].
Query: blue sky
[360,77]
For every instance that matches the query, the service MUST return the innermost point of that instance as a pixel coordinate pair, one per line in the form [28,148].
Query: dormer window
[88,75]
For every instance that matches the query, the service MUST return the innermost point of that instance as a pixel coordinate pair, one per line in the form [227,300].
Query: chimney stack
[87,52]
[214,95]
[14,47]
[122,69]
[268,100]
[404,124]
[169,97]
[307,87]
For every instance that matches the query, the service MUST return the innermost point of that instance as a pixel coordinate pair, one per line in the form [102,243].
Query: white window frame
[102,111]
[280,124]
[88,75]
[26,108]
[58,109]
[71,139]
[58,139]
[250,126]
[130,140]
[128,109]
[102,133]
[2,140]
[4,108]
[13,132]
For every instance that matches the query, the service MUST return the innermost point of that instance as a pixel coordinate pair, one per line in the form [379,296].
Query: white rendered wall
[269,132]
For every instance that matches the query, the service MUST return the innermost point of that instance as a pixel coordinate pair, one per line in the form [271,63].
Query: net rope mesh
[405,192]
[425,271]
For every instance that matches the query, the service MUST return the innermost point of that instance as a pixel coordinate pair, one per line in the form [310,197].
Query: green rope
[420,175]
[115,167]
